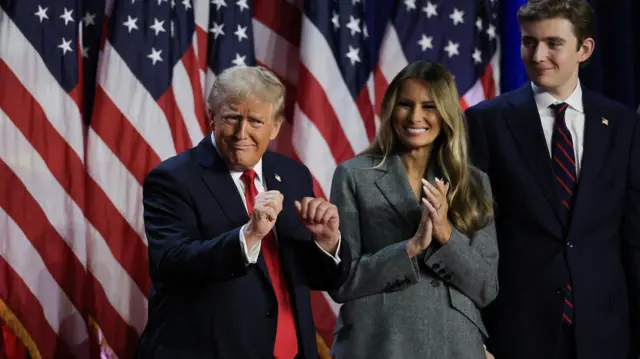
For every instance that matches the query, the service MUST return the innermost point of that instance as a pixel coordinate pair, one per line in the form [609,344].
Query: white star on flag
[42,13]
[452,49]
[430,9]
[239,60]
[155,55]
[217,30]
[477,56]
[354,25]
[335,20]
[410,4]
[157,26]
[241,33]
[67,16]
[242,4]
[491,32]
[456,16]
[65,46]
[353,55]
[131,23]
[426,42]
[89,19]
[218,3]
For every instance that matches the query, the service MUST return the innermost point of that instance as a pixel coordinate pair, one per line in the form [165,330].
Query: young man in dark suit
[236,237]
[564,165]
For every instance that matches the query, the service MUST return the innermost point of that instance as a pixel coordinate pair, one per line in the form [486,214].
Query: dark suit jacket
[205,303]
[598,248]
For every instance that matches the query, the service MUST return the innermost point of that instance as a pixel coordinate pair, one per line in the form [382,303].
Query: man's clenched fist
[266,208]
[320,217]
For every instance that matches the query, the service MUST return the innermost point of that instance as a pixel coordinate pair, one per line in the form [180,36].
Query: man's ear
[276,127]
[586,49]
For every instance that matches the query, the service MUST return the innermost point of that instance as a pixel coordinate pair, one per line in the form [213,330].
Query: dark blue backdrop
[614,70]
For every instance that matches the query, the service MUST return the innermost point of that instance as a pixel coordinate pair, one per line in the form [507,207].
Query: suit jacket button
[435,283]
[569,244]
[269,314]
[436,266]
[559,291]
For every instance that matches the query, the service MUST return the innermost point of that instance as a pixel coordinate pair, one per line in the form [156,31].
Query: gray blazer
[396,307]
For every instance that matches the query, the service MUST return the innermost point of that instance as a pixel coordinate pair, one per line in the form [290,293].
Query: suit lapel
[597,137]
[526,128]
[395,187]
[217,178]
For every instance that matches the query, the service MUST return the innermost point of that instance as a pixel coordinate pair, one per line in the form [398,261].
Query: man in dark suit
[236,238]
[564,165]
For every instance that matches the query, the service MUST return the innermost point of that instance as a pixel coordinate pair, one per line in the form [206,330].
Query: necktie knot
[559,108]
[248,176]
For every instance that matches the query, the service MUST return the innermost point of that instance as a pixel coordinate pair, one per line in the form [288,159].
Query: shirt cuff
[250,255]
[335,258]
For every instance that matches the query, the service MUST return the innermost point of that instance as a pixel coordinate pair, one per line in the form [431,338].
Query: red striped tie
[286,345]
[564,168]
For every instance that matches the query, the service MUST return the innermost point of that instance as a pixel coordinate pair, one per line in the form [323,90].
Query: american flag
[93,95]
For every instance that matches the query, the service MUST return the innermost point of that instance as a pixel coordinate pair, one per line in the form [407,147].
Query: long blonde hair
[470,208]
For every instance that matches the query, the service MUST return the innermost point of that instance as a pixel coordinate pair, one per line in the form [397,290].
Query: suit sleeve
[322,271]
[178,255]
[470,264]
[388,269]
[478,146]
[631,238]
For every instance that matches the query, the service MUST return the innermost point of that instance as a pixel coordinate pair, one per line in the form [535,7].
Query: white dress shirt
[251,254]
[574,117]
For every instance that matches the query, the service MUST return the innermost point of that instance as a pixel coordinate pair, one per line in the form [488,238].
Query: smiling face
[242,130]
[551,54]
[416,121]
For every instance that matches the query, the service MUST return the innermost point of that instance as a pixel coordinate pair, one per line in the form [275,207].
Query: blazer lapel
[395,187]
[526,128]
[597,137]
[217,178]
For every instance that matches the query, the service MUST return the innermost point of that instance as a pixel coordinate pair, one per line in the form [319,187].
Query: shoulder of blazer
[608,106]
[504,103]
[362,161]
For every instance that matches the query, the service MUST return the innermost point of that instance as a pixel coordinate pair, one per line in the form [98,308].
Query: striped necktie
[563,162]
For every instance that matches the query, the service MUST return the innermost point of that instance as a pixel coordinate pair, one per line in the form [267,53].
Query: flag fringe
[19,330]
[323,349]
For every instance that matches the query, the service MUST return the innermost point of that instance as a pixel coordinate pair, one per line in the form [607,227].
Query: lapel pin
[605,121]
[278,178]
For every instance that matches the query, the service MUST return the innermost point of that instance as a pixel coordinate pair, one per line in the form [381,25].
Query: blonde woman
[419,221]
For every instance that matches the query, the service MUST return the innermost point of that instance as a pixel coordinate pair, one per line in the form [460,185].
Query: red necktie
[286,345]
[563,162]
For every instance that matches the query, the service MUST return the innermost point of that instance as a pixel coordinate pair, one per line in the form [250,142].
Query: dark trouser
[567,343]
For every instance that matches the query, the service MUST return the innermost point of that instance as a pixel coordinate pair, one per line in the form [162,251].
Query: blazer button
[569,244]
[269,314]
[436,266]
[435,283]
[559,291]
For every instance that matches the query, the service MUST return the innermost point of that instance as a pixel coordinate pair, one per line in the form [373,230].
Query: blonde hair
[470,208]
[242,82]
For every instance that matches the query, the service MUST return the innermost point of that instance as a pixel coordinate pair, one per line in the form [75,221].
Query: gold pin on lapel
[278,178]
[605,121]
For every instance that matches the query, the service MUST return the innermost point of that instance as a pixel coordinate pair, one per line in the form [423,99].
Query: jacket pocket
[465,306]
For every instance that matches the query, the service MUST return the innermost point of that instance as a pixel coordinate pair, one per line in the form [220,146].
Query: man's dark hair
[578,12]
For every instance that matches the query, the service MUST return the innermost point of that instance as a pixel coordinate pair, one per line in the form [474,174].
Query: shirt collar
[237,174]
[544,99]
